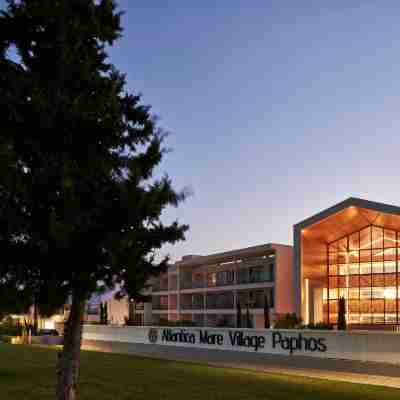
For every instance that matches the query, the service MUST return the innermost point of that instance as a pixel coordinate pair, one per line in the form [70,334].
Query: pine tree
[267,323]
[238,314]
[80,202]
[101,313]
[342,325]
[248,318]
[105,315]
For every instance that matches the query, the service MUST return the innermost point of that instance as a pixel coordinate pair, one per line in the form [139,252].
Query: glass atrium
[363,267]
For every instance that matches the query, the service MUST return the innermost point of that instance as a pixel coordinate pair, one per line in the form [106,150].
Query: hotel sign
[236,339]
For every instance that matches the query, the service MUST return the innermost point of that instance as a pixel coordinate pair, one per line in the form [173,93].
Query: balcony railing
[220,306]
[255,304]
[192,306]
[160,306]
[215,303]
[254,279]
[192,284]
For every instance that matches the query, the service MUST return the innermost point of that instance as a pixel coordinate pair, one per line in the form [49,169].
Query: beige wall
[117,311]
[284,280]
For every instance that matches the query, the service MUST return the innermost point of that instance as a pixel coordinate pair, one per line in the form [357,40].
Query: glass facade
[363,267]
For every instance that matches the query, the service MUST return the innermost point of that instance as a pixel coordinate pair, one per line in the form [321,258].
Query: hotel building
[205,290]
[350,250]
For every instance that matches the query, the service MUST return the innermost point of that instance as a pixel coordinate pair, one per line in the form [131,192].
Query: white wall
[362,346]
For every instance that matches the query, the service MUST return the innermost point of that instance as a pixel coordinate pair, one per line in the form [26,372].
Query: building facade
[350,250]
[205,290]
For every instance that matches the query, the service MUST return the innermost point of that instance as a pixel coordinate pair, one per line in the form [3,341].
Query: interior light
[390,293]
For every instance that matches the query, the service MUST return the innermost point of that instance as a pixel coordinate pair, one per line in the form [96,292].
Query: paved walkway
[339,370]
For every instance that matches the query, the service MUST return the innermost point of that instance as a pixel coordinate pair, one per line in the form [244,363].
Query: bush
[342,325]
[287,321]
[10,330]
[320,326]
[165,322]
[5,338]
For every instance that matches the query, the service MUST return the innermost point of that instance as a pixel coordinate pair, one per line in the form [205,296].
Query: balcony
[256,275]
[159,287]
[221,305]
[256,299]
[192,306]
[192,284]
[219,301]
[160,306]
[252,304]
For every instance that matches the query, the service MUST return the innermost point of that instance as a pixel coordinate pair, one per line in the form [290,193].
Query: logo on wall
[153,335]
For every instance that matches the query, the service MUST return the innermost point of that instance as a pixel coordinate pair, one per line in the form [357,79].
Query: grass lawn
[28,373]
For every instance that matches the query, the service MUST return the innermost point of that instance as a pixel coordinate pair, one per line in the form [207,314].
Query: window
[243,275]
[257,274]
[271,272]
[354,293]
[363,267]
[390,266]
[377,237]
[333,293]
[365,293]
[354,269]
[211,279]
[225,277]
[378,292]
[389,238]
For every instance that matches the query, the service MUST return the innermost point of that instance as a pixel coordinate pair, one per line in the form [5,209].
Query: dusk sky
[276,109]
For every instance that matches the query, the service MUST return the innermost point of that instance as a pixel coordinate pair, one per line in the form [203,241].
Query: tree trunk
[35,318]
[69,358]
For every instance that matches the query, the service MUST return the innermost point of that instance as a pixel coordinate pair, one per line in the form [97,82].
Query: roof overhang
[314,233]
[348,216]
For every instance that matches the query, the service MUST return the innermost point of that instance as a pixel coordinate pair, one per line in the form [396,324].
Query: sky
[276,109]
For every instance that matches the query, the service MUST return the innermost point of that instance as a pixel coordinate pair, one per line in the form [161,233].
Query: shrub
[320,326]
[287,321]
[165,322]
[5,338]
[10,330]
[342,325]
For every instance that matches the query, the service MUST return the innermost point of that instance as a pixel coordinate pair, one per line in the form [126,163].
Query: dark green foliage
[287,321]
[10,327]
[180,323]
[267,323]
[13,301]
[320,326]
[238,314]
[103,313]
[248,318]
[223,322]
[342,325]
[131,313]
[79,200]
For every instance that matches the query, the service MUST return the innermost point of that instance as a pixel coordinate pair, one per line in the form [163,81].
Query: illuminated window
[364,268]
